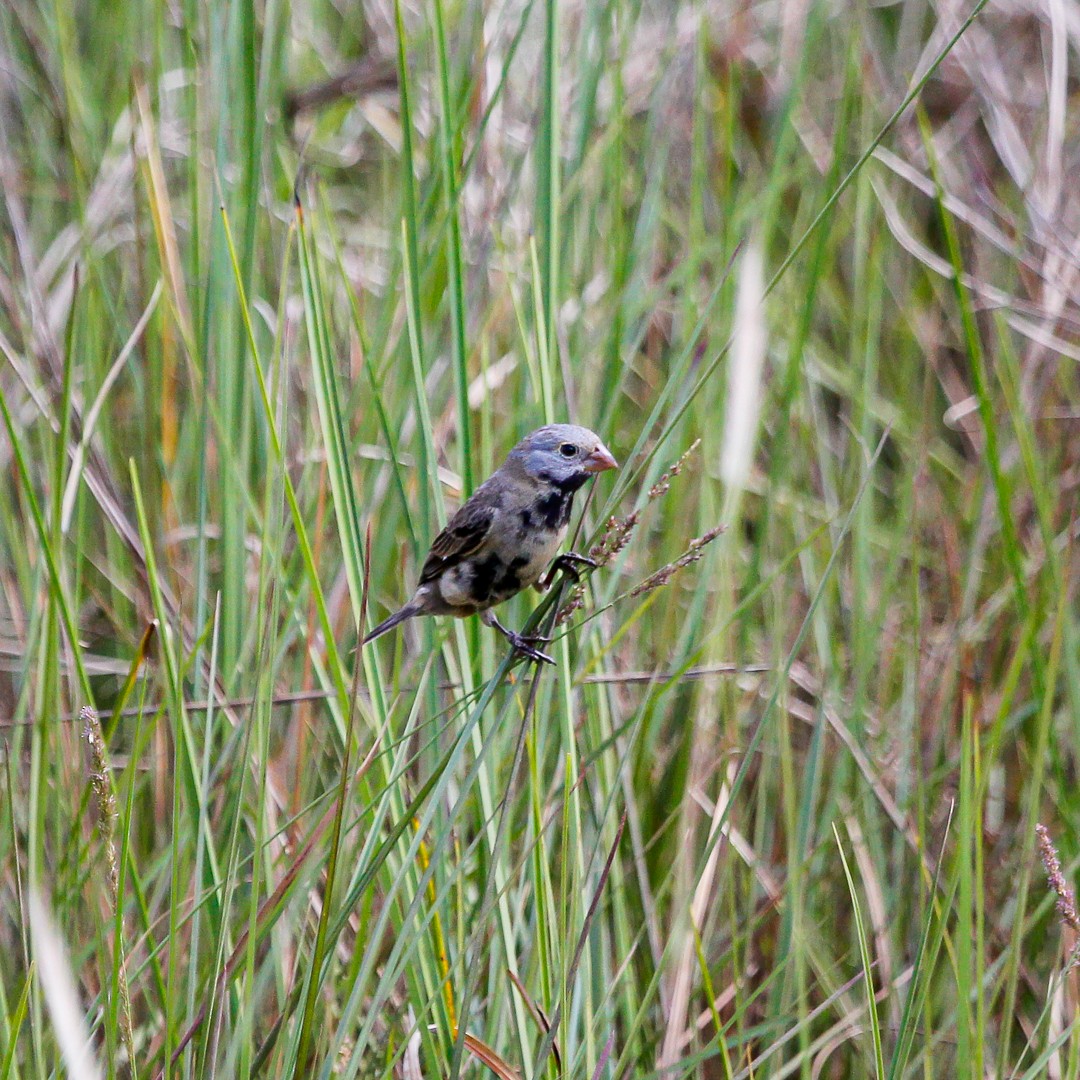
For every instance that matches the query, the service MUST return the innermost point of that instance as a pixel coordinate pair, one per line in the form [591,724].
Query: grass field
[281,283]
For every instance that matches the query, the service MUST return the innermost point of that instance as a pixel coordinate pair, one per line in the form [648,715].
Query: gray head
[562,454]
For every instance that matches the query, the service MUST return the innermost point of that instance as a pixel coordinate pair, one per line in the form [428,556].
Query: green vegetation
[774,811]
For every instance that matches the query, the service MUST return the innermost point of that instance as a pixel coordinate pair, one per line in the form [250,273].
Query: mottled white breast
[455,588]
[540,546]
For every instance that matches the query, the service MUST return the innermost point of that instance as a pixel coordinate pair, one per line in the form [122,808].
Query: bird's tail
[407,612]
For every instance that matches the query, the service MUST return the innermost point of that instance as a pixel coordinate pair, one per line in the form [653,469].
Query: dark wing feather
[463,536]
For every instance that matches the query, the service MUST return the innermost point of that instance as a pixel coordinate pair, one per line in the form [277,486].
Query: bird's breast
[517,550]
[537,551]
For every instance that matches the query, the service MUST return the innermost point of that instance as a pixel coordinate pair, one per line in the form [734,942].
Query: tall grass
[773,812]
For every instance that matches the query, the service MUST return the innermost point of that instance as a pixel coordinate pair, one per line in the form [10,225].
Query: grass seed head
[690,555]
[1066,899]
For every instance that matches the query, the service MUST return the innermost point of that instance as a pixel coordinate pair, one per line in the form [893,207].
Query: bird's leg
[568,562]
[522,643]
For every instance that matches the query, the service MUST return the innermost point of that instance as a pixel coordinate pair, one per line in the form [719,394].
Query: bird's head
[562,454]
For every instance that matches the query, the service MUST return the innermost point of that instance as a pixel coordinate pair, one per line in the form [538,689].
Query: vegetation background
[774,815]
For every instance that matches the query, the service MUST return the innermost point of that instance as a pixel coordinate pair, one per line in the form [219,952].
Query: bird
[504,536]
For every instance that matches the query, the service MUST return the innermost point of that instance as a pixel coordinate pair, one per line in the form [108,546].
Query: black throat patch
[552,509]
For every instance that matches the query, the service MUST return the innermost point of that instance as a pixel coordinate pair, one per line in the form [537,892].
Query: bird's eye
[568,449]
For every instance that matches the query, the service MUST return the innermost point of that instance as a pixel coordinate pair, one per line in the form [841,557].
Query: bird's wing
[463,536]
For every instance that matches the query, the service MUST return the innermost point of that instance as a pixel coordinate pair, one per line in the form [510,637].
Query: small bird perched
[507,532]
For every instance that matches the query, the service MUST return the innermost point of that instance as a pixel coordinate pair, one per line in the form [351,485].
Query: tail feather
[407,612]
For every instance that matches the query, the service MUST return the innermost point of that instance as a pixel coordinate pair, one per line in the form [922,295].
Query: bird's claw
[569,562]
[523,644]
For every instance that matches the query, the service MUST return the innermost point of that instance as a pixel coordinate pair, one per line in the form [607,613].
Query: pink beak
[599,460]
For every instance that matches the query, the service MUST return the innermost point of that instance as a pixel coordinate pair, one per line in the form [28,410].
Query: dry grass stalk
[105,799]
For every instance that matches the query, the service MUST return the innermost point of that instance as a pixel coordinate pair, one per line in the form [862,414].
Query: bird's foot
[568,562]
[523,644]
